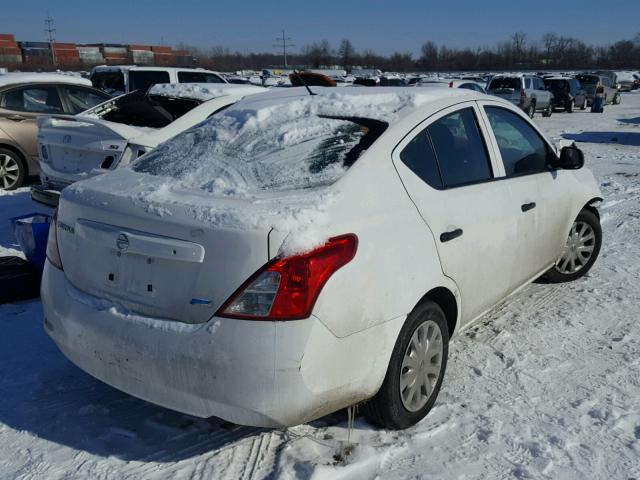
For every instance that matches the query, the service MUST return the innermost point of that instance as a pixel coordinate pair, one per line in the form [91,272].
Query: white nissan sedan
[300,253]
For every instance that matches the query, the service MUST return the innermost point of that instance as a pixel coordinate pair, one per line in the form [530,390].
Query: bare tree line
[553,51]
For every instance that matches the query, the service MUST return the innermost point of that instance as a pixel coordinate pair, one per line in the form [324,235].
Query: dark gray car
[567,93]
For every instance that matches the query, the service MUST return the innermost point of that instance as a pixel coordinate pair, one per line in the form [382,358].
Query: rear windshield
[236,157]
[142,110]
[505,83]
[588,79]
[143,79]
[557,85]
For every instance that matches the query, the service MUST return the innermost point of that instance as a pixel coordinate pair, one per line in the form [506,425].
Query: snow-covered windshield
[238,153]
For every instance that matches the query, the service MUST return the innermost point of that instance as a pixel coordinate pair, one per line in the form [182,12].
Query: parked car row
[244,268]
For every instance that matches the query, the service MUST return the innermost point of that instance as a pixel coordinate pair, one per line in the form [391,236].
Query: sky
[384,26]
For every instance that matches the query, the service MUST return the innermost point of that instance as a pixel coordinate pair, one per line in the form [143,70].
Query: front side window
[523,151]
[81,99]
[143,79]
[199,77]
[40,99]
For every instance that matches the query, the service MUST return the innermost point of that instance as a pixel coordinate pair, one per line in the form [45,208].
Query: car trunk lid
[74,146]
[157,261]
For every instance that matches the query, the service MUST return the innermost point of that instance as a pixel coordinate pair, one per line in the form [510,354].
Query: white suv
[119,79]
[297,254]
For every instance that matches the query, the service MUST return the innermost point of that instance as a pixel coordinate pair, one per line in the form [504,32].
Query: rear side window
[110,82]
[420,157]
[81,99]
[143,79]
[522,150]
[199,77]
[40,99]
[450,152]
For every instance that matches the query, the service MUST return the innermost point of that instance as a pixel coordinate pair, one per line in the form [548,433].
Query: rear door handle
[446,236]
[16,118]
[528,206]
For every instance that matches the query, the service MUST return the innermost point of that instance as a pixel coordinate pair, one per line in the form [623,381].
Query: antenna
[283,43]
[49,30]
[295,72]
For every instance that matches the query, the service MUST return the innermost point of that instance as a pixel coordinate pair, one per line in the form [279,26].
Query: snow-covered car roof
[203,91]
[14,78]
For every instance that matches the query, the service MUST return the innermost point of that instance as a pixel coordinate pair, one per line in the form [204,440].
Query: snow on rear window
[234,155]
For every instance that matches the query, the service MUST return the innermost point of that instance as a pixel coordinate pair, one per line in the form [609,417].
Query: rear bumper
[41,194]
[268,374]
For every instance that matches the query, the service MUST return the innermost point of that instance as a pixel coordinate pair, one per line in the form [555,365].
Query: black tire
[549,110]
[584,104]
[531,110]
[386,408]
[12,170]
[555,275]
[617,100]
[570,106]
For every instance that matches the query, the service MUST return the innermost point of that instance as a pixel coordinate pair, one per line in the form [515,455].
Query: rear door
[449,171]
[19,109]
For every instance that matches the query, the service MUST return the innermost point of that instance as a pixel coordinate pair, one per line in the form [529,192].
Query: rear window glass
[199,77]
[557,85]
[143,79]
[232,156]
[505,83]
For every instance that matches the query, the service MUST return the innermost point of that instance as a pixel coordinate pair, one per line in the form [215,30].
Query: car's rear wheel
[415,372]
[549,110]
[617,100]
[584,104]
[12,171]
[580,251]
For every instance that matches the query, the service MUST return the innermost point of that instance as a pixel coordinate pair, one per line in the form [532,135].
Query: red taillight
[523,96]
[287,288]
[450,84]
[53,254]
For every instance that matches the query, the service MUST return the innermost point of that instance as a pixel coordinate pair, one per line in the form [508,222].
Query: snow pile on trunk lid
[203,91]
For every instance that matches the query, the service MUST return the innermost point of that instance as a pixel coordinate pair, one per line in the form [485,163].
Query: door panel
[474,226]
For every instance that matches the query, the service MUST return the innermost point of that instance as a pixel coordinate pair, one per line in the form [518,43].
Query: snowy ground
[546,386]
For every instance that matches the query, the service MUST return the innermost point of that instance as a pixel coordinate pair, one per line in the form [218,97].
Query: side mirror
[571,158]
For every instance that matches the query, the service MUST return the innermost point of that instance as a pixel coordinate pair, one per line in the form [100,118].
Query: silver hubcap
[578,249]
[421,366]
[9,171]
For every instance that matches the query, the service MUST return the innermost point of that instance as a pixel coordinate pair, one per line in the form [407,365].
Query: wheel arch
[448,302]
[591,205]
[18,152]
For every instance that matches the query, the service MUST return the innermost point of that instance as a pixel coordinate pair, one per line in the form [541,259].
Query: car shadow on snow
[632,121]
[619,138]
[48,397]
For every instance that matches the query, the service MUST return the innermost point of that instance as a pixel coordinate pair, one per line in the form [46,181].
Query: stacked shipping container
[69,55]
[10,53]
